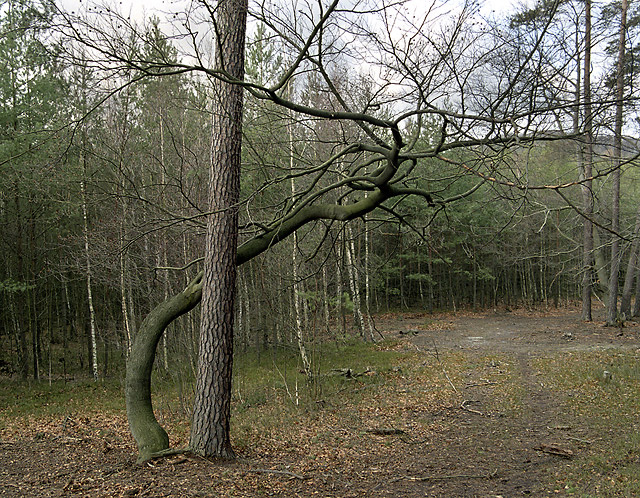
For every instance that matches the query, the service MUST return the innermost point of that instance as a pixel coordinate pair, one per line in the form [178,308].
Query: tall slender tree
[612,305]
[587,173]
[212,405]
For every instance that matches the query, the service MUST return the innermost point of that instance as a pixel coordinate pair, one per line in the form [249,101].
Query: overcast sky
[140,10]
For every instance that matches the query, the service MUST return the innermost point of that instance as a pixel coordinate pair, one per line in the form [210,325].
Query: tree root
[164,453]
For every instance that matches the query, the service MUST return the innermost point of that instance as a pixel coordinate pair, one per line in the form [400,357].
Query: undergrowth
[269,389]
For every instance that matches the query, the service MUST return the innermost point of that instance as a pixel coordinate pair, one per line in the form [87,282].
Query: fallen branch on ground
[385,432]
[421,441]
[437,356]
[464,407]
[279,472]
[165,453]
[490,475]
[483,383]
[580,440]
[351,374]
[410,331]
[554,449]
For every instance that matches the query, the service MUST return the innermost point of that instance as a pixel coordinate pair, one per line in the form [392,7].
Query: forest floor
[503,403]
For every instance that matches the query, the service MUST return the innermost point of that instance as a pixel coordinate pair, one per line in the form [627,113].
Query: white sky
[140,10]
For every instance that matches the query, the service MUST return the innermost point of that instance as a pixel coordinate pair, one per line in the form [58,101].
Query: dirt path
[514,331]
[488,452]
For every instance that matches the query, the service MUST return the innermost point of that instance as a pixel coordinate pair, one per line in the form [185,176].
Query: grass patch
[22,399]
[602,394]
[270,390]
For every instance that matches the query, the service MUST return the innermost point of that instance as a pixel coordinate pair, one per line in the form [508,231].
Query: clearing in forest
[500,403]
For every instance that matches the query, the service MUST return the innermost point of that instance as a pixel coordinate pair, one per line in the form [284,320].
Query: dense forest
[517,188]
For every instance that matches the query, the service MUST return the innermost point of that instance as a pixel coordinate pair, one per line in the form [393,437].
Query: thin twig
[284,381]
[385,431]
[485,383]
[444,371]
[422,441]
[580,440]
[490,475]
[464,407]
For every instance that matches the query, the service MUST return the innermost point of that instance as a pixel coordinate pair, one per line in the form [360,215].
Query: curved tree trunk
[150,437]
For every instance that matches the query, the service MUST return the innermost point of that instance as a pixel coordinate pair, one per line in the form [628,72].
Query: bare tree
[449,105]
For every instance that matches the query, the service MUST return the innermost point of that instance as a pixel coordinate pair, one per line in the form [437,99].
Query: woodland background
[103,197]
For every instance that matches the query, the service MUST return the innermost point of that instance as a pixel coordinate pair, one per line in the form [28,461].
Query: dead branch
[279,472]
[166,453]
[409,331]
[350,373]
[385,432]
[483,383]
[580,440]
[464,407]
[421,441]
[444,371]
[490,475]
[554,449]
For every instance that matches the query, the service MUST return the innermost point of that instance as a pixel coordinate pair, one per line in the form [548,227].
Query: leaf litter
[404,433]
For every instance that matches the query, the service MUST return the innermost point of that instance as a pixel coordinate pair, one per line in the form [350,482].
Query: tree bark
[612,306]
[367,284]
[150,437]
[212,405]
[586,160]
[627,290]
[600,262]
[92,314]
[353,283]
[636,304]
[306,365]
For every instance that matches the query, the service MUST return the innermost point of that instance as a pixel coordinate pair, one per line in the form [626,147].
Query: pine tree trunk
[627,290]
[612,305]
[600,263]
[636,304]
[585,159]
[212,405]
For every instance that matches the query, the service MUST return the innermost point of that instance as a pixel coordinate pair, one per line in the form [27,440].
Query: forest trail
[489,451]
[519,331]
